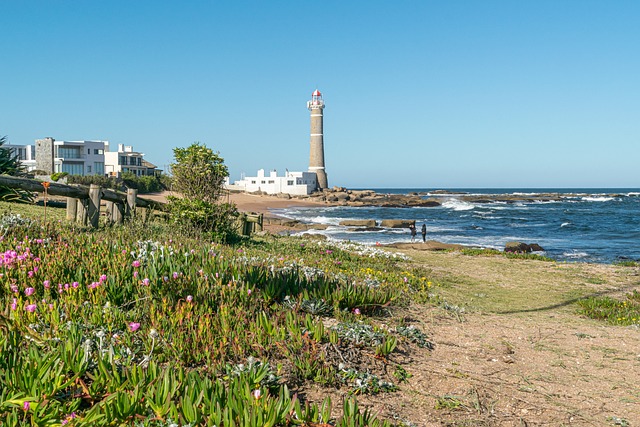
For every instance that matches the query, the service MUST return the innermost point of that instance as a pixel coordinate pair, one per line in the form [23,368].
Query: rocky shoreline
[340,196]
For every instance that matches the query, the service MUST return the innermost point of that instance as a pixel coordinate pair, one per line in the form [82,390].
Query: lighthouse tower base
[321,175]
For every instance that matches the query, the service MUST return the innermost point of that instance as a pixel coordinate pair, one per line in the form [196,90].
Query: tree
[9,162]
[198,175]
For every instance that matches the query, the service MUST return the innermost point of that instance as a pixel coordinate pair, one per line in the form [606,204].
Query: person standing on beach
[412,229]
[424,233]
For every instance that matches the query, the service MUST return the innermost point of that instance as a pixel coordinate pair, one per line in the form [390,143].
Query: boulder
[536,247]
[519,247]
[358,223]
[397,223]
[284,195]
[341,196]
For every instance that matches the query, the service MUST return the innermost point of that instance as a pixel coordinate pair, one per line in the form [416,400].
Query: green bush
[198,175]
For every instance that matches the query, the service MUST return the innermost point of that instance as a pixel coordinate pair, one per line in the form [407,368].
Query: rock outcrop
[397,223]
[522,248]
[358,223]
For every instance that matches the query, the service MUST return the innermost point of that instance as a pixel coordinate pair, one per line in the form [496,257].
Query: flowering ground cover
[140,326]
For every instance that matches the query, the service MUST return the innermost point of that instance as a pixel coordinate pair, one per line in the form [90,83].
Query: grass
[623,312]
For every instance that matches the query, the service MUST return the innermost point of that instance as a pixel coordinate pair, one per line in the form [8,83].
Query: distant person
[424,233]
[412,229]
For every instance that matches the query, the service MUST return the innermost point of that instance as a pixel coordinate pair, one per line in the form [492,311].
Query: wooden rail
[83,203]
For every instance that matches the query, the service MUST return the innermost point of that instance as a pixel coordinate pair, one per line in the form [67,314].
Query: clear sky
[428,94]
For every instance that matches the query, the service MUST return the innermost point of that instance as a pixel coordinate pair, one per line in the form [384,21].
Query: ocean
[585,225]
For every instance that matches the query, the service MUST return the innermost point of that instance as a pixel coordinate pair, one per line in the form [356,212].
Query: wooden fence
[83,203]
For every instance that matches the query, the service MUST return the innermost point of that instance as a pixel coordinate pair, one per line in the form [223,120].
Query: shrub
[198,175]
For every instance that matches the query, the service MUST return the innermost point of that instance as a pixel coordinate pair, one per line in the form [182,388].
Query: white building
[124,160]
[79,157]
[295,183]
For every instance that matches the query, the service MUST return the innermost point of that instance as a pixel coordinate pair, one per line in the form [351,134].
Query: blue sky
[429,94]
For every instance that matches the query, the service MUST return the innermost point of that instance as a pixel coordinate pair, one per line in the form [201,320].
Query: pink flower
[75,285]
[134,326]
[26,405]
[175,275]
[248,291]
[136,263]
[189,298]
[29,291]
[30,308]
[145,281]
[30,274]
[14,304]
[46,284]
[256,393]
[103,278]
[14,288]
[135,274]
[356,311]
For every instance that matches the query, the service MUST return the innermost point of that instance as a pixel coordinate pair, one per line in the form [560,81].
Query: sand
[248,202]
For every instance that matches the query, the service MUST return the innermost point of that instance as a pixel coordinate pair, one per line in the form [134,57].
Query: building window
[98,151]
[73,168]
[272,182]
[88,169]
[88,150]
[290,182]
[98,168]
[69,153]
[122,160]
[253,182]
[262,182]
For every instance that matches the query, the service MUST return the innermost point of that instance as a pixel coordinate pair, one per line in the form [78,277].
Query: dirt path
[518,355]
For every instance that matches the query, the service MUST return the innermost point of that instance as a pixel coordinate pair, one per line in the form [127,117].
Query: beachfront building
[125,160]
[72,157]
[294,183]
[26,155]
[316,150]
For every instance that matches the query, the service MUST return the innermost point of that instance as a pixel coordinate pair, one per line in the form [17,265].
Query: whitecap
[575,254]
[457,205]
[323,220]
[564,224]
[597,199]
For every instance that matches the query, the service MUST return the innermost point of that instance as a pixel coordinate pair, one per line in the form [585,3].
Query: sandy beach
[248,202]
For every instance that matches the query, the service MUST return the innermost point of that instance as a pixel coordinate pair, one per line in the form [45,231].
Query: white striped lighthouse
[316,154]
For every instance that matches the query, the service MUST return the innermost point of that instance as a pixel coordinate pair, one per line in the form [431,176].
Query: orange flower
[46,184]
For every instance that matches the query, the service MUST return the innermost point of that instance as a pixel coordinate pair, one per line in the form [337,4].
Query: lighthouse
[316,153]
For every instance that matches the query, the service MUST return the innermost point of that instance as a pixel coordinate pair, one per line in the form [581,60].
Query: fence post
[132,194]
[117,213]
[72,208]
[81,211]
[94,205]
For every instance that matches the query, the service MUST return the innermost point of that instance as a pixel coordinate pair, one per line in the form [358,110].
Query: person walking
[412,229]
[424,233]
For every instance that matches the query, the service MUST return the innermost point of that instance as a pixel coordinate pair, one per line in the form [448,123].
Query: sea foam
[457,205]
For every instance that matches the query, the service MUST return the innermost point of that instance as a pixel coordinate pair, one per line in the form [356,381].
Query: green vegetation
[198,176]
[140,325]
[611,310]
[511,255]
[9,162]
